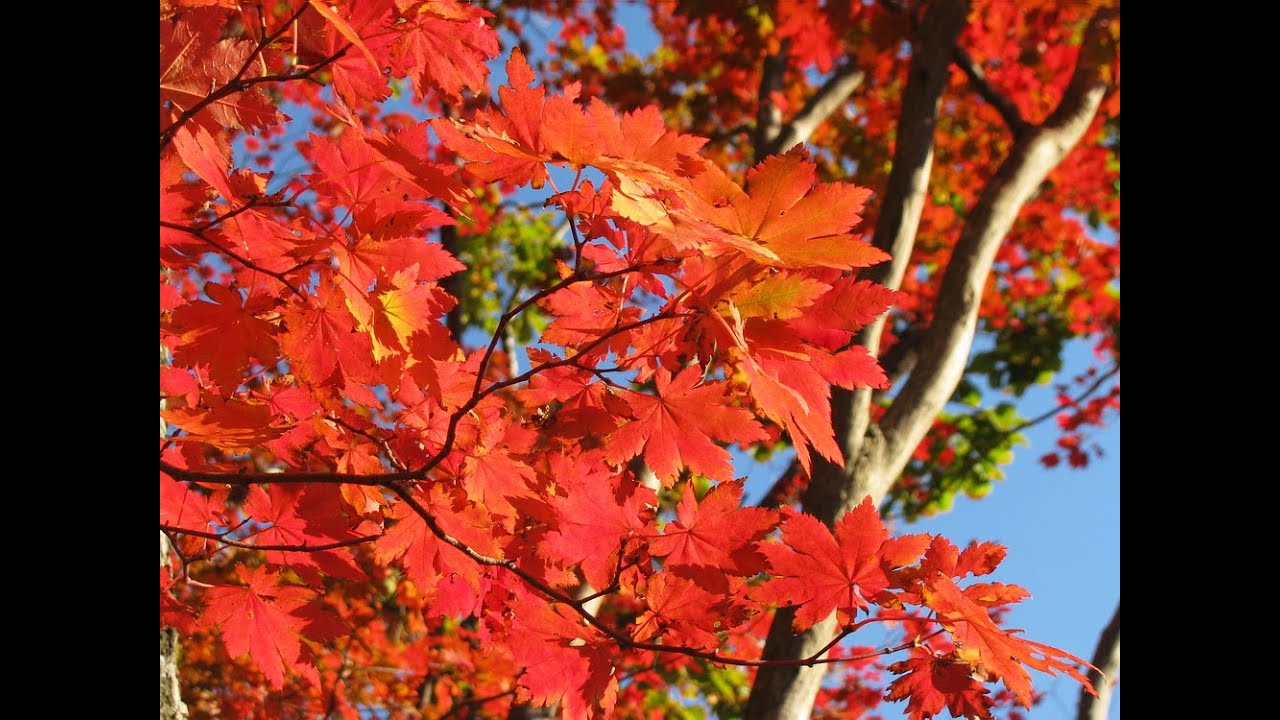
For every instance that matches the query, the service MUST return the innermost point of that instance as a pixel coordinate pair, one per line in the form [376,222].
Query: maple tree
[450,377]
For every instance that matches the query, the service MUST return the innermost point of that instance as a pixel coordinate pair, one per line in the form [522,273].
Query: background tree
[387,505]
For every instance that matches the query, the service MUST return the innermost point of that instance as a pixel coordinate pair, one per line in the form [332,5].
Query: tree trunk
[1106,658]
[788,692]
[876,453]
[171,705]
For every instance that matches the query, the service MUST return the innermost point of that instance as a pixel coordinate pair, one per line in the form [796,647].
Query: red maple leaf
[323,344]
[677,427]
[492,474]
[790,380]
[715,537]
[979,558]
[584,312]
[194,62]
[399,309]
[363,262]
[266,620]
[820,572]
[597,515]
[405,150]
[850,305]
[449,580]
[198,149]
[991,649]
[506,145]
[931,683]
[234,424]
[182,505]
[304,515]
[636,150]
[786,215]
[684,611]
[355,175]
[565,660]
[225,333]
[173,612]
[445,45]
[581,407]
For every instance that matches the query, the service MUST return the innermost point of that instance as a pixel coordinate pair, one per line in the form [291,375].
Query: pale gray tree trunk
[1106,658]
[877,452]
[171,705]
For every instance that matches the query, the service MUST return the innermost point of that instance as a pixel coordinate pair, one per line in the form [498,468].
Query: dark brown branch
[198,231]
[1104,674]
[461,705]
[282,548]
[166,135]
[216,221]
[825,100]
[381,442]
[722,135]
[1053,412]
[452,284]
[389,479]
[511,314]
[618,636]
[768,116]
[240,85]
[998,100]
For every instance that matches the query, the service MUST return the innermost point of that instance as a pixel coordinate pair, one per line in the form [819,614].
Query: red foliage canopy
[367,511]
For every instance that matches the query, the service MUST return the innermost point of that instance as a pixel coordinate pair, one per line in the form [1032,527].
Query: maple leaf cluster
[351,490]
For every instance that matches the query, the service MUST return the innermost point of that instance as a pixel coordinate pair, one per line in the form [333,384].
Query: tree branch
[768,116]
[238,83]
[998,100]
[900,210]
[1104,674]
[620,637]
[479,393]
[1053,412]
[283,548]
[825,101]
[977,453]
[950,337]
[199,231]
[789,693]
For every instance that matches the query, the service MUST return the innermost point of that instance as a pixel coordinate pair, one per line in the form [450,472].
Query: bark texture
[790,691]
[876,453]
[171,705]
[1106,658]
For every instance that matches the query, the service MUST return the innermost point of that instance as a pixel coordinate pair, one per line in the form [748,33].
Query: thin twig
[1003,104]
[238,83]
[198,231]
[304,547]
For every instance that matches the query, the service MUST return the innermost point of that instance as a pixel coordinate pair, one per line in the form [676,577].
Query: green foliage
[966,454]
[517,253]
[1025,353]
